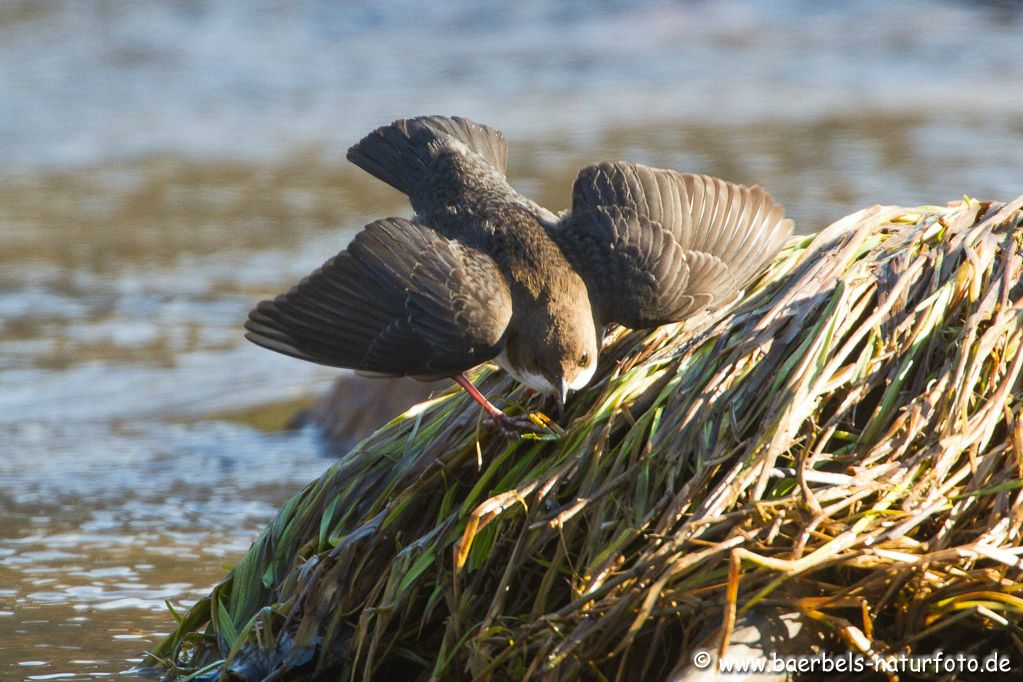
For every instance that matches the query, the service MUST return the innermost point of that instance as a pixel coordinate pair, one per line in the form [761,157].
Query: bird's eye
[584,360]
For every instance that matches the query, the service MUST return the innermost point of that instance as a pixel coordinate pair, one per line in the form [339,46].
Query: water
[165,165]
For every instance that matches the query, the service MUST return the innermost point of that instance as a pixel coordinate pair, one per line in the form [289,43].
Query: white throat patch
[533,381]
[583,377]
[539,383]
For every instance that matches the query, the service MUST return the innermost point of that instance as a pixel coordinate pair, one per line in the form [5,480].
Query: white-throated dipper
[483,273]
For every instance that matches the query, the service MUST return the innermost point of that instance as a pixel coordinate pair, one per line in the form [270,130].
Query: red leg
[464,382]
[508,425]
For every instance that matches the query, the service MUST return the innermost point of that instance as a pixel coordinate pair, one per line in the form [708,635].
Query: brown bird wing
[655,246]
[400,300]
[403,154]
[451,168]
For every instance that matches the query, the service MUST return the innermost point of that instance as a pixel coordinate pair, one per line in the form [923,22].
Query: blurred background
[164,165]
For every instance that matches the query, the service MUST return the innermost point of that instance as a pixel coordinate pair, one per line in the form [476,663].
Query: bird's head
[556,349]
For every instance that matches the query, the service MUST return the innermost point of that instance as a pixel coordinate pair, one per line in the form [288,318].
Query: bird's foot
[534,425]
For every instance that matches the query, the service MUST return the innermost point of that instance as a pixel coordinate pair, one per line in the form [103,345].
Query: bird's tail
[400,153]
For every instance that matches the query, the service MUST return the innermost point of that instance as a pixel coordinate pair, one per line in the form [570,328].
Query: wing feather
[656,246]
[400,300]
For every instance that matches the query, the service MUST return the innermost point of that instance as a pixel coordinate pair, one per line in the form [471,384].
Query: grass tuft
[844,443]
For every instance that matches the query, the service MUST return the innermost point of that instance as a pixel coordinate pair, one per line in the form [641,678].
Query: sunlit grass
[846,436]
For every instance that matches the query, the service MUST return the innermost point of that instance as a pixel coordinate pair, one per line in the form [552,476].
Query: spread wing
[400,300]
[656,246]
[452,170]
[402,153]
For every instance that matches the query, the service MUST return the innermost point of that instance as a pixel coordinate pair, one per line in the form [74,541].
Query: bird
[481,273]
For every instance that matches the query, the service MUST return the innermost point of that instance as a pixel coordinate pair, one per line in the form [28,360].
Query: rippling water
[164,165]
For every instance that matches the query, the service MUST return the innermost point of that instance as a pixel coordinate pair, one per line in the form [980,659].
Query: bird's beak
[561,396]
